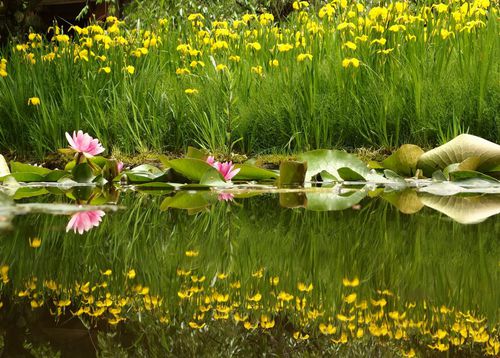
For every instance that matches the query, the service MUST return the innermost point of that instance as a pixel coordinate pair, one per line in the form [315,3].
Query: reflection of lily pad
[465,210]
[188,200]
[406,201]
[318,201]
[458,150]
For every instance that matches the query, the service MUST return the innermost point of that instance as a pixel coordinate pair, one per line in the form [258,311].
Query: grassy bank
[344,75]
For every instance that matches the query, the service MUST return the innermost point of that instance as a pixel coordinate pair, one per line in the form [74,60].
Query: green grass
[425,91]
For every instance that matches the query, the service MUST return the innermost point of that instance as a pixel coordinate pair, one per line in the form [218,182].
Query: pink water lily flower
[226,169]
[85,220]
[83,143]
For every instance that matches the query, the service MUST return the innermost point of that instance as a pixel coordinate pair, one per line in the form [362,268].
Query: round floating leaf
[55,175]
[404,160]
[17,167]
[82,173]
[250,172]
[458,150]
[191,168]
[212,177]
[292,173]
[4,168]
[27,177]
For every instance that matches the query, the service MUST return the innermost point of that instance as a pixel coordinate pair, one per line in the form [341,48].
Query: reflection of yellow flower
[33,101]
[35,242]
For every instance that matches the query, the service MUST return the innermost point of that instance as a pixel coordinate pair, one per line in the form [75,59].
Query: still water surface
[204,273]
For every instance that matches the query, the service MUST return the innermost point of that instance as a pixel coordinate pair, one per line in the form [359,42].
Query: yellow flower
[35,243]
[274,280]
[220,67]
[445,34]
[298,5]
[283,296]
[380,41]
[195,325]
[33,101]
[255,298]
[304,56]
[106,69]
[350,62]
[108,272]
[350,298]
[129,69]
[350,45]
[353,283]
[284,47]
[250,326]
[191,91]
[397,28]
[182,71]
[257,69]
[409,354]
[3,67]
[327,330]
[191,253]
[234,58]
[385,51]
[305,288]
[131,274]
[266,18]
[274,63]
[254,45]
[300,337]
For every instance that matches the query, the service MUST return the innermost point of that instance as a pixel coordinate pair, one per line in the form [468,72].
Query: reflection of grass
[414,257]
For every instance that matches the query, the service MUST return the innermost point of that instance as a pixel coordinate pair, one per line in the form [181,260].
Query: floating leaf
[292,173]
[17,167]
[26,177]
[196,153]
[468,174]
[464,209]
[318,201]
[332,160]
[348,174]
[82,173]
[212,177]
[55,175]
[191,168]
[4,168]
[97,161]
[458,150]
[22,193]
[404,160]
[250,172]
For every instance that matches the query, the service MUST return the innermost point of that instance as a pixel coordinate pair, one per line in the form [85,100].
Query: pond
[325,271]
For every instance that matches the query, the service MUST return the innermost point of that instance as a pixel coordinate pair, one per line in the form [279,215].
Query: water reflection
[180,268]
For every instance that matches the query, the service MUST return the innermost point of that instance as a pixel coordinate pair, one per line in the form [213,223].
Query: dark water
[249,274]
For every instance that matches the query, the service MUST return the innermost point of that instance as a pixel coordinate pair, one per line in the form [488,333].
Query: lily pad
[212,177]
[196,153]
[404,160]
[4,168]
[407,201]
[82,173]
[292,173]
[458,150]
[191,168]
[250,172]
[332,160]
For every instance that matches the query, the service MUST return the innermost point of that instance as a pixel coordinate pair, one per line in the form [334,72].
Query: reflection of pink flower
[85,144]
[226,169]
[85,220]
[225,197]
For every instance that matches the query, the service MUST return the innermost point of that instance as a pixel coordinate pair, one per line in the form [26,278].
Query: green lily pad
[332,160]
[212,177]
[17,167]
[191,168]
[22,193]
[250,172]
[458,150]
[55,175]
[404,160]
[292,173]
[27,177]
[196,153]
[82,173]
[97,161]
